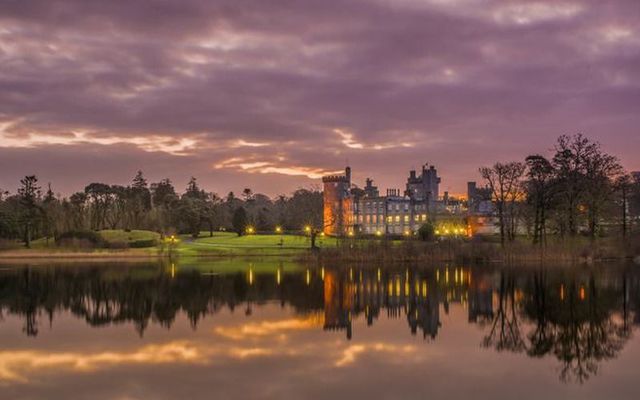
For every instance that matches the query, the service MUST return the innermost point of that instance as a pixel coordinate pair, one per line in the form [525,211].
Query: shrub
[427,232]
[91,237]
[142,243]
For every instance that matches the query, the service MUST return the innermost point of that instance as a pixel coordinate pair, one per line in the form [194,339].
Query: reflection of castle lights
[583,293]
[562,292]
[278,277]
[308,277]
[322,273]
[250,276]
[173,270]
[379,274]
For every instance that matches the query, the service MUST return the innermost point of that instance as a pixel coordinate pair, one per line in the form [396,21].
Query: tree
[624,186]
[50,214]
[584,177]
[138,199]
[99,196]
[426,232]
[539,189]
[29,193]
[504,181]
[239,220]
[193,190]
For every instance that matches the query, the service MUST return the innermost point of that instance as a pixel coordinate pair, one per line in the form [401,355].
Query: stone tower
[337,204]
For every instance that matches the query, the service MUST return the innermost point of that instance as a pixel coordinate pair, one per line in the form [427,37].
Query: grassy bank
[479,250]
[120,244]
[331,250]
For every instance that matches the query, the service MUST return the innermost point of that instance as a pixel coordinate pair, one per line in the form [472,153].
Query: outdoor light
[278,229]
[307,228]
[378,233]
[250,229]
[350,233]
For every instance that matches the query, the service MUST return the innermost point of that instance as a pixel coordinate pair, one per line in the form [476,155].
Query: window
[416,218]
[406,219]
[397,218]
[389,219]
[424,217]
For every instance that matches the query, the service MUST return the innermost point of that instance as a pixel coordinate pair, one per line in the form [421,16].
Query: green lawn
[232,244]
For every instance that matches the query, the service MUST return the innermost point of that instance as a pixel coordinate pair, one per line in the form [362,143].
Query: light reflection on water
[274,330]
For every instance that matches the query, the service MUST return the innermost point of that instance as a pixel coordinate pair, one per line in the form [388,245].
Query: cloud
[386,85]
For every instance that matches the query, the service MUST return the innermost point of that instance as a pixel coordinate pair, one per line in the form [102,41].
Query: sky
[271,95]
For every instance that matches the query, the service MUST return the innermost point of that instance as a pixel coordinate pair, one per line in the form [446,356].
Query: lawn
[232,244]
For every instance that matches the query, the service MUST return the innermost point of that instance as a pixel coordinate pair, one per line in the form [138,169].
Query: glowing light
[250,230]
[308,277]
[378,233]
[278,277]
[278,229]
[307,229]
[583,293]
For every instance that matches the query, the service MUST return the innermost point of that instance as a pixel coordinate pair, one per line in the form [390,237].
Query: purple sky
[272,94]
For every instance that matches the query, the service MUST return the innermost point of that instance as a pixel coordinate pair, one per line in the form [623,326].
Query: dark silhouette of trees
[239,221]
[29,193]
[505,183]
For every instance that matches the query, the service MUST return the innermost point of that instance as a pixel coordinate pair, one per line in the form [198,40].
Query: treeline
[32,213]
[579,190]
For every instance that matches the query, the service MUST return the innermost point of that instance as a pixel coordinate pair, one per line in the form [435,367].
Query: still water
[240,329]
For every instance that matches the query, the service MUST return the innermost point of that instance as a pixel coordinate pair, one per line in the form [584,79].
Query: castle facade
[351,210]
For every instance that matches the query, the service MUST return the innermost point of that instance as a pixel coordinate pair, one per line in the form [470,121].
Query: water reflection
[580,317]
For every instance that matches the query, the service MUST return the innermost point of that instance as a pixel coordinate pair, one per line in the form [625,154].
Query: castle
[349,210]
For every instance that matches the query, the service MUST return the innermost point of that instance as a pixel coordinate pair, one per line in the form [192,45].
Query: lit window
[389,219]
[424,217]
[397,218]
[406,218]
[416,218]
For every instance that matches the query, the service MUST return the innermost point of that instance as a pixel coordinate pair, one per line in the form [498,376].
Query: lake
[268,329]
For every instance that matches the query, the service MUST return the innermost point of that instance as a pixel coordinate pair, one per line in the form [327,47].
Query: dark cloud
[182,88]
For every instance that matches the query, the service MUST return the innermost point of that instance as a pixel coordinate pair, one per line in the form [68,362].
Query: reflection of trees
[505,330]
[103,296]
[572,316]
[574,322]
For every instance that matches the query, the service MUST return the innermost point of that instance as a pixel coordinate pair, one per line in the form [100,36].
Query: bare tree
[504,181]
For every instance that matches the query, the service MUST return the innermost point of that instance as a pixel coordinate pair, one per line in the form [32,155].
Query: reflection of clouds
[270,328]
[350,353]
[17,365]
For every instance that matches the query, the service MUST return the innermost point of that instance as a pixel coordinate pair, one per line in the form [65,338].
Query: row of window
[375,219]
[375,205]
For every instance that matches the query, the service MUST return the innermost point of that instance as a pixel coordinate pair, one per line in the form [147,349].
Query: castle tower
[337,204]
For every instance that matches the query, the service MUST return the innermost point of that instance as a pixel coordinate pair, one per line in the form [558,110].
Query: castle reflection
[579,316]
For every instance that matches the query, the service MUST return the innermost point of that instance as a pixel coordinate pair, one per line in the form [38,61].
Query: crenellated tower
[338,204]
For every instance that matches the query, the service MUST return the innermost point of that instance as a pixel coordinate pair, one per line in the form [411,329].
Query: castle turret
[338,204]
